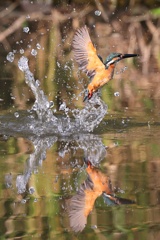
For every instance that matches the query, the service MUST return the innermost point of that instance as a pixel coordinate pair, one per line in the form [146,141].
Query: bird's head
[116,57]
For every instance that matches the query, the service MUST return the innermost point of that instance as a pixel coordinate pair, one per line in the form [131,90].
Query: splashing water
[41,105]
[122,70]
[46,123]
[91,115]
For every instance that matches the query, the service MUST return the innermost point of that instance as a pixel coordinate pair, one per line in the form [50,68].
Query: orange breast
[100,184]
[90,197]
[101,77]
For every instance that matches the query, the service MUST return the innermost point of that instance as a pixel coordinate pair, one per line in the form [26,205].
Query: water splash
[40,119]
[41,105]
[91,115]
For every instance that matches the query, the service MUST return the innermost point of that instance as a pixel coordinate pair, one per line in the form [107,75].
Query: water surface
[38,173]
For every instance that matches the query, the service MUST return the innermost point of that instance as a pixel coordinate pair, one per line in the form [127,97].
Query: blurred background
[38,172]
[42,30]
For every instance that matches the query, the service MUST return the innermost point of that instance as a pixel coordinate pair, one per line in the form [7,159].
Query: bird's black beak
[113,200]
[128,56]
[85,98]
[87,95]
[86,160]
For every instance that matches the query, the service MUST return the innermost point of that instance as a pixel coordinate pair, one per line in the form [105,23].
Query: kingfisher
[81,204]
[100,72]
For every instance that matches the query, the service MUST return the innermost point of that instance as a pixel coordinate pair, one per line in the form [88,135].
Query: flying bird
[100,72]
[81,204]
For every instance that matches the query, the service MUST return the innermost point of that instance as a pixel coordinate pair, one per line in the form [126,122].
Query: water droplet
[16,114]
[94,226]
[51,104]
[56,179]
[122,70]
[58,64]
[31,126]
[23,63]
[31,190]
[23,201]
[38,83]
[10,57]
[21,51]
[121,190]
[65,67]
[35,171]
[97,13]
[5,137]
[34,52]
[116,94]
[62,107]
[38,46]
[26,29]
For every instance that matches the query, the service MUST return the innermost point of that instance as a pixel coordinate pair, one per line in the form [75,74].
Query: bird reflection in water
[81,204]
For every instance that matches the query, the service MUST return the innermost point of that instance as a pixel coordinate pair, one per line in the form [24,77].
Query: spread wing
[85,53]
[78,209]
